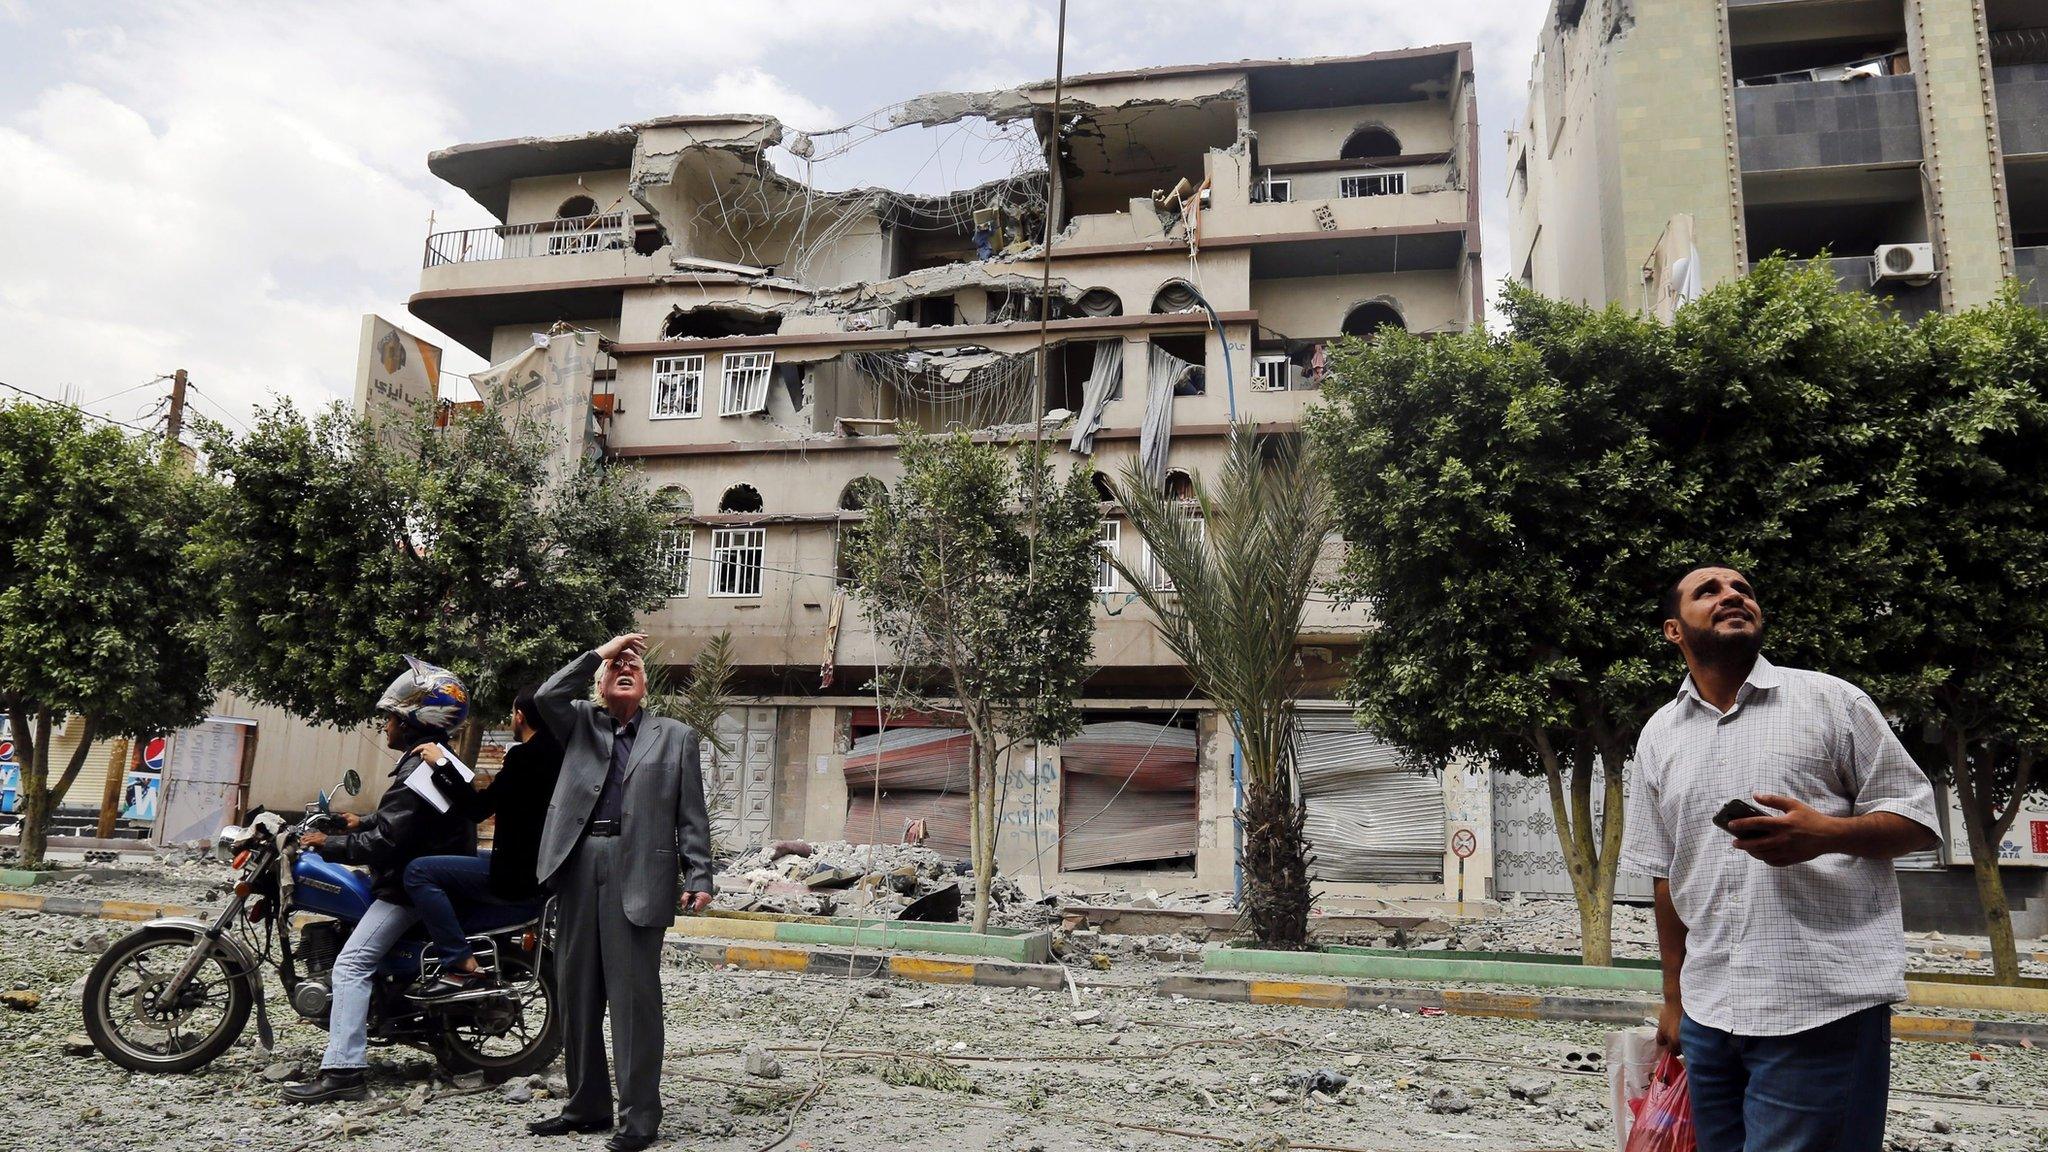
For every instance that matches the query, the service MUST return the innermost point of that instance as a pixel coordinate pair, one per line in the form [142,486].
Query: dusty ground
[909,1065]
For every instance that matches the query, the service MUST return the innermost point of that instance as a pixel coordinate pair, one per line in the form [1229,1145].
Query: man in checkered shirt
[1781,940]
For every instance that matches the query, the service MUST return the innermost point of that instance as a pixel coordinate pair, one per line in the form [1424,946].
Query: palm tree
[1229,575]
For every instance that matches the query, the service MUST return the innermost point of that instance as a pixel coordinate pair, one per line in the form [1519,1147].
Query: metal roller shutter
[1371,818]
[1128,795]
[922,774]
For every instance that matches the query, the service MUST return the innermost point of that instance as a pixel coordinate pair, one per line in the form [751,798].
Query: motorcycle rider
[424,704]
[519,796]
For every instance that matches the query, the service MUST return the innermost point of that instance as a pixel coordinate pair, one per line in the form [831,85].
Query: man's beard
[1735,650]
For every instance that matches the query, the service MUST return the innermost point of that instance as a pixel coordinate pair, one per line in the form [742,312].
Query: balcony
[2022,108]
[565,237]
[1868,122]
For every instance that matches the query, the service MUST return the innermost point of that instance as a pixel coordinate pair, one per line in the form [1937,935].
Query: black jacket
[402,829]
[518,795]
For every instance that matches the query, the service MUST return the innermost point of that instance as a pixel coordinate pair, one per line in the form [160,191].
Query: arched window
[1371,142]
[859,493]
[678,500]
[1103,492]
[1174,296]
[1368,318]
[576,206]
[1099,302]
[1179,485]
[740,498]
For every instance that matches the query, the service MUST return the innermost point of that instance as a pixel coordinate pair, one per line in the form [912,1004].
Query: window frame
[677,547]
[1394,183]
[725,545]
[755,400]
[691,412]
[1109,539]
[1260,378]
[1155,576]
[1271,189]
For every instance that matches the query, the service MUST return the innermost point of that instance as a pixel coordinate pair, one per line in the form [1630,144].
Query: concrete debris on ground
[840,879]
[944,1067]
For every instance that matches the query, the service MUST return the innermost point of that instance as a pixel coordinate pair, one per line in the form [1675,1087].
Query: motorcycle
[177,992]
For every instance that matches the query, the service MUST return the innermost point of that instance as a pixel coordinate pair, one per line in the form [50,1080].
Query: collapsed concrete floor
[905,1064]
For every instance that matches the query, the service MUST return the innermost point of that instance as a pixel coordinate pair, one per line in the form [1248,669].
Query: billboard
[398,378]
[550,384]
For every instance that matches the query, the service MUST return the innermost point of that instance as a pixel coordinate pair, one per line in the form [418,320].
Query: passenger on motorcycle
[441,887]
[423,704]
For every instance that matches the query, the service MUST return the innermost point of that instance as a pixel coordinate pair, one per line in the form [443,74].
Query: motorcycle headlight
[225,843]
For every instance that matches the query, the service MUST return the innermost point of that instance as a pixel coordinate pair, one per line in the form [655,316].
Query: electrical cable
[75,408]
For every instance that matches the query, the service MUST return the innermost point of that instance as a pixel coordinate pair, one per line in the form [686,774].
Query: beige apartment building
[1668,140]
[758,339]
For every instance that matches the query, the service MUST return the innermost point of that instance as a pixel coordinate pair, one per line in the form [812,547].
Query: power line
[37,396]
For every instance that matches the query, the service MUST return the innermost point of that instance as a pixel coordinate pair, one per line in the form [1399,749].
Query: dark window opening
[934,312]
[1103,492]
[1371,142]
[740,498]
[576,206]
[713,323]
[1367,319]
[1179,485]
[1192,348]
[859,493]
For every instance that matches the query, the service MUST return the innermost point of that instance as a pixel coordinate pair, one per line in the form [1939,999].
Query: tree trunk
[35,790]
[1979,820]
[469,742]
[1591,871]
[1276,881]
[982,846]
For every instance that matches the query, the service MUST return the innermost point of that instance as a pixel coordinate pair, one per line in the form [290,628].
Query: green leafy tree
[1239,560]
[1516,502]
[703,696]
[1970,677]
[98,608]
[976,571]
[335,556]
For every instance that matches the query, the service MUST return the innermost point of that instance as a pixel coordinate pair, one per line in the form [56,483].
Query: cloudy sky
[228,187]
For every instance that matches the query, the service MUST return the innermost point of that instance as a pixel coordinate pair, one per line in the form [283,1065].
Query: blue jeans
[437,884]
[1821,1090]
[355,966]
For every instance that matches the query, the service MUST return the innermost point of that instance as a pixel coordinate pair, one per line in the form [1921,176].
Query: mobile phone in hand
[1737,809]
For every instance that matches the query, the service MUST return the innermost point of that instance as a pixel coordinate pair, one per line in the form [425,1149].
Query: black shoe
[629,1142]
[450,983]
[331,1084]
[563,1126]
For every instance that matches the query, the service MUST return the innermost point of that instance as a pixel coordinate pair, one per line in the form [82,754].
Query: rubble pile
[838,878]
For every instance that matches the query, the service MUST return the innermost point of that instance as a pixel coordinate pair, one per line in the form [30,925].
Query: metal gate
[739,787]
[1527,858]
[1371,817]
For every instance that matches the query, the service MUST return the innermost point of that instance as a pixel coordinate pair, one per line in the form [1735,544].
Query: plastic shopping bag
[1663,1116]
[1632,1055]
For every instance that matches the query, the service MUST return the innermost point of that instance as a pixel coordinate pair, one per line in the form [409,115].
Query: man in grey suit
[627,821]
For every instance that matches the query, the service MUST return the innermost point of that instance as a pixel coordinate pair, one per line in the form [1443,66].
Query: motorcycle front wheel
[133,1024]
[504,1036]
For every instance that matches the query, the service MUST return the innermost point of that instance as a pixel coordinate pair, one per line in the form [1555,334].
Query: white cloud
[752,90]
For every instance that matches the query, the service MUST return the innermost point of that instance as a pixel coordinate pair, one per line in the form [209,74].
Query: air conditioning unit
[1910,262]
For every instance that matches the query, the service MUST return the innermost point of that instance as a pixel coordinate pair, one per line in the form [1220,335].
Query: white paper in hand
[421,778]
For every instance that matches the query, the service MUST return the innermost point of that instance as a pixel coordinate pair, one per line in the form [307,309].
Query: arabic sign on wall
[398,378]
[550,384]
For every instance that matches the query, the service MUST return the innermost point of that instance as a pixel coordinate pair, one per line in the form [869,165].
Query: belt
[604,827]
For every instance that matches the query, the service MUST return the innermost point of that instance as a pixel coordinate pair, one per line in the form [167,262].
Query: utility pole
[174,423]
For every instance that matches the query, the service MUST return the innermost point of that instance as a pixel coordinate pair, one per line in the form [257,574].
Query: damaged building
[1212,229]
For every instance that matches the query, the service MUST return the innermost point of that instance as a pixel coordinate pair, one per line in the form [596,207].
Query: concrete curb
[923,969]
[1531,1006]
[98,909]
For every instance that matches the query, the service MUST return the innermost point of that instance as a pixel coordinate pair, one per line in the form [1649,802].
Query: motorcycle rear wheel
[530,1041]
[131,1026]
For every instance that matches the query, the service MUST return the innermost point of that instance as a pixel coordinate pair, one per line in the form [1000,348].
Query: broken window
[1373,184]
[713,323]
[1108,535]
[672,553]
[859,493]
[736,561]
[1271,189]
[740,498]
[1372,142]
[746,383]
[1368,318]
[576,206]
[678,387]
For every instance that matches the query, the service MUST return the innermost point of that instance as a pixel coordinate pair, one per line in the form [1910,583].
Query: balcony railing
[546,238]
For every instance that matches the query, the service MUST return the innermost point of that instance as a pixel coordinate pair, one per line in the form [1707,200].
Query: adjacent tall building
[1670,144]
[757,339]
